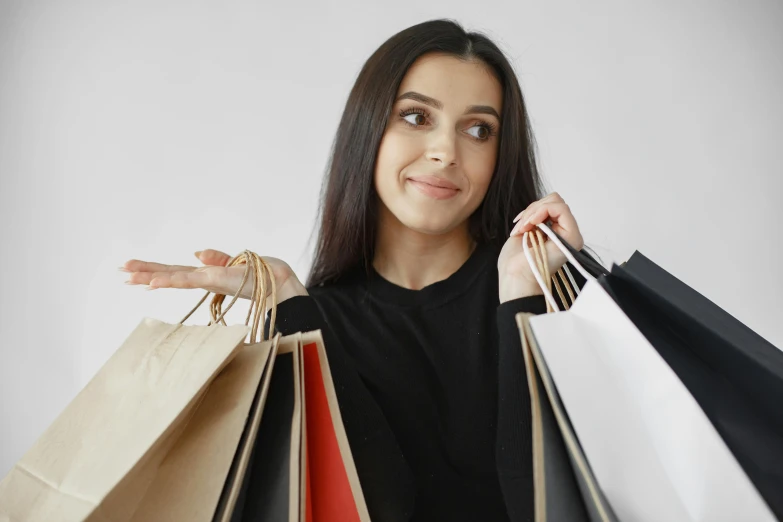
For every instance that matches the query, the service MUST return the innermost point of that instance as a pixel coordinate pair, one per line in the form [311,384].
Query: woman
[418,274]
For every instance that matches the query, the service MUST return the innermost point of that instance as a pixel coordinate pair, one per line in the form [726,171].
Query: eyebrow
[432,102]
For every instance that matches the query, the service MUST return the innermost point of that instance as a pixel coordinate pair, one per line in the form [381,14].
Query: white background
[150,130]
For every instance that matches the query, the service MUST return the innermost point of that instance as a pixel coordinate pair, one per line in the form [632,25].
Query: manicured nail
[123,269]
[198,253]
[519,216]
[128,282]
[151,288]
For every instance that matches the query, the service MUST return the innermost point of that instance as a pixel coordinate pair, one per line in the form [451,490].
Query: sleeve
[387,480]
[514,449]
[298,314]
[514,452]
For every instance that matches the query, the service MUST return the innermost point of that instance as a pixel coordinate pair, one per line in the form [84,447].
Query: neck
[412,259]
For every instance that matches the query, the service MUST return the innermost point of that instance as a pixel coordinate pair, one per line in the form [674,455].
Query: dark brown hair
[348,209]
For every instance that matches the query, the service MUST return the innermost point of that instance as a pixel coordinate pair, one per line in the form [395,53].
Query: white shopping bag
[655,454]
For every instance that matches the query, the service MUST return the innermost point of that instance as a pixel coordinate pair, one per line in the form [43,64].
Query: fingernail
[519,216]
[123,269]
[128,282]
[151,288]
[198,253]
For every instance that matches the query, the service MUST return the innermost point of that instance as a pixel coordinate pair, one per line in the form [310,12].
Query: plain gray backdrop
[151,130]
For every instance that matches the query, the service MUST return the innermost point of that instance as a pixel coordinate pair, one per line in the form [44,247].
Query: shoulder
[348,286]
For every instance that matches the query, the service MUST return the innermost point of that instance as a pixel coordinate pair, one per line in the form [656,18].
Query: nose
[442,147]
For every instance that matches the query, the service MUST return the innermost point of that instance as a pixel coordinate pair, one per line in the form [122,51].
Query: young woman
[418,274]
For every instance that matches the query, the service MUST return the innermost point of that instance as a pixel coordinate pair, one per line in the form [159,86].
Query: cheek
[394,154]
[479,170]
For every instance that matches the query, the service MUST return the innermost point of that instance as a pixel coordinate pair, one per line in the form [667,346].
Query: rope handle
[541,272]
[258,301]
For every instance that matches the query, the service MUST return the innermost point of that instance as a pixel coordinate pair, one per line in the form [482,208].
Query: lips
[435,182]
[434,187]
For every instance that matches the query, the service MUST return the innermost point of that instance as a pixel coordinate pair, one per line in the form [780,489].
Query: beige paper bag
[202,475]
[190,480]
[141,395]
[200,478]
[98,459]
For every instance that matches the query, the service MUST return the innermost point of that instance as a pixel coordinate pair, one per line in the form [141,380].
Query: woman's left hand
[515,277]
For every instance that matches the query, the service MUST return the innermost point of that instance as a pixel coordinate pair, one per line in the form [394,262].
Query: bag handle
[543,266]
[536,273]
[591,265]
[258,300]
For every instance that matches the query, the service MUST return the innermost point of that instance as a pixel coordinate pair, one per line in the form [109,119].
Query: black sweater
[432,391]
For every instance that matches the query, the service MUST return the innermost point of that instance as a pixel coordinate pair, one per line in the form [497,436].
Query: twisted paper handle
[258,300]
[539,250]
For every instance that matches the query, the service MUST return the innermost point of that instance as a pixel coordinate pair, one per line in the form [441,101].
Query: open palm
[215,277]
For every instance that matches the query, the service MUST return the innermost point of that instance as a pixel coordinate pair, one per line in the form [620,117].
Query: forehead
[454,82]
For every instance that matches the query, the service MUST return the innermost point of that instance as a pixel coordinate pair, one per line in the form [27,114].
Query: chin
[429,222]
[424,215]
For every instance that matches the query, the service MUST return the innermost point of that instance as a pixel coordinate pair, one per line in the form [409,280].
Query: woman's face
[439,149]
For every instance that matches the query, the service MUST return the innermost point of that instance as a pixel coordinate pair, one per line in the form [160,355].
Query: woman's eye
[481,135]
[415,117]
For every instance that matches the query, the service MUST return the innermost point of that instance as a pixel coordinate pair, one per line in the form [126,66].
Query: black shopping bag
[735,375]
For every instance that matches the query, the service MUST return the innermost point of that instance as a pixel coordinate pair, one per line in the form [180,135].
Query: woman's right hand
[215,277]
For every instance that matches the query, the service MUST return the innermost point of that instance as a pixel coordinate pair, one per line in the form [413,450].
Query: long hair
[349,202]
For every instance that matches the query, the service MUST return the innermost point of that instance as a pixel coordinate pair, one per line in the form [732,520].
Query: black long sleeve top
[432,390]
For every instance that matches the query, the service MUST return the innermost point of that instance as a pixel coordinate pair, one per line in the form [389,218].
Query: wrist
[291,288]
[508,290]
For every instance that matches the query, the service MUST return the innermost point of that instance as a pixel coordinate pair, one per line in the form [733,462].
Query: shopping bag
[564,486]
[202,476]
[292,463]
[190,481]
[299,465]
[181,475]
[320,469]
[653,451]
[734,374]
[270,487]
[198,479]
[190,423]
[333,487]
[119,427]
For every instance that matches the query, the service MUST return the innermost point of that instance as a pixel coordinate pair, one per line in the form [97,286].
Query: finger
[135,265]
[563,223]
[559,213]
[522,214]
[218,280]
[551,197]
[530,208]
[529,211]
[194,279]
[183,280]
[525,213]
[213,257]
[519,216]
